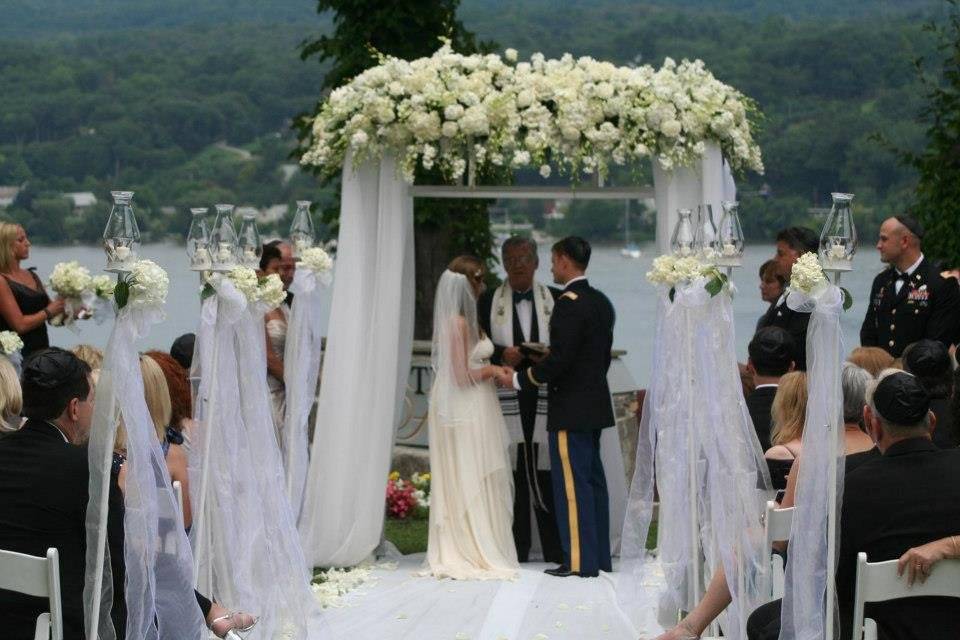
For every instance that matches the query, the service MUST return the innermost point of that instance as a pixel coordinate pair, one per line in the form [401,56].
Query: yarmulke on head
[575,248]
[771,351]
[51,379]
[182,350]
[929,360]
[912,224]
[901,400]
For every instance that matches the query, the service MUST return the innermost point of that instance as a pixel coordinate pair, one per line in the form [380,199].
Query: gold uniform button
[916,311]
[892,327]
[891,343]
[894,312]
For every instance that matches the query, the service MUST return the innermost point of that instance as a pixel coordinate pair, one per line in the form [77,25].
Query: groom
[581,336]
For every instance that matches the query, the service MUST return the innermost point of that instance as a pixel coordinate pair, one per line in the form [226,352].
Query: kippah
[911,224]
[774,342]
[51,368]
[182,350]
[901,399]
[927,358]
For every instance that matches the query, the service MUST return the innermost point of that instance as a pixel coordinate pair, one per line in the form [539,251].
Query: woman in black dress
[25,306]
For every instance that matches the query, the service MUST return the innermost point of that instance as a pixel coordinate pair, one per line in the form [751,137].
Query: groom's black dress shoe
[563,571]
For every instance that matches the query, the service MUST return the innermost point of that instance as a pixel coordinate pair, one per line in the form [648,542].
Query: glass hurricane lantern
[121,237]
[681,243]
[838,240]
[250,244]
[198,241]
[730,240]
[223,239]
[302,232]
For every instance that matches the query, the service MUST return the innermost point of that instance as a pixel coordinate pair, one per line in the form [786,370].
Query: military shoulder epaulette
[570,294]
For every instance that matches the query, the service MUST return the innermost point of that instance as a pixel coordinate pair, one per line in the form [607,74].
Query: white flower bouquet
[271,292]
[808,278]
[246,281]
[70,281]
[10,342]
[316,259]
[145,286]
[672,271]
[576,114]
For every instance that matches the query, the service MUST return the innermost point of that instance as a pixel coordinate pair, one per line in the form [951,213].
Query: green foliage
[937,202]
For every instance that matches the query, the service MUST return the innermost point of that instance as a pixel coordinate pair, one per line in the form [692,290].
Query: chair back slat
[24,574]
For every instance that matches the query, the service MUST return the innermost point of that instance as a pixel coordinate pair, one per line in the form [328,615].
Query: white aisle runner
[399,605]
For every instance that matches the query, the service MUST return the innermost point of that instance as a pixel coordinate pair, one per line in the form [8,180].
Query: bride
[471,502]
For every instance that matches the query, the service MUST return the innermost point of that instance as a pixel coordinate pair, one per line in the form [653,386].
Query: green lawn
[410,536]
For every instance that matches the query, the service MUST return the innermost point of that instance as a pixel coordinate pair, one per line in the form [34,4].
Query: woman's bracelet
[46,312]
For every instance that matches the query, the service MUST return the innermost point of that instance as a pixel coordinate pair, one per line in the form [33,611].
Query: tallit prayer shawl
[501,326]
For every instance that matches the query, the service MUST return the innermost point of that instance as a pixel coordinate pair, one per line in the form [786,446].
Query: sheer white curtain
[365,369]
[710,472]
[810,569]
[158,586]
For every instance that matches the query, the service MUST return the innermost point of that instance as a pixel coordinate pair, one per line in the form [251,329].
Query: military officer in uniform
[575,370]
[909,300]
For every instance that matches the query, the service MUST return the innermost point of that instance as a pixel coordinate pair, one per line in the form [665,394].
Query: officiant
[517,312]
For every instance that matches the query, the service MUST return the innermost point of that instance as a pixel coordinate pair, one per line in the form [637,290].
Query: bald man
[909,300]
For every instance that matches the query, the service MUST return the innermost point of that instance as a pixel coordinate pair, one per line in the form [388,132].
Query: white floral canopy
[461,114]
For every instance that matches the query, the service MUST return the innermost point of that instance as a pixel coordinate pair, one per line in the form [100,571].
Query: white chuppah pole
[365,369]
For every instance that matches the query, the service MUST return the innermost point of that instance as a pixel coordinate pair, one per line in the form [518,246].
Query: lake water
[622,279]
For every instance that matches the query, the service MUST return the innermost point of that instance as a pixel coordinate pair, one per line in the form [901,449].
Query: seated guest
[89,354]
[181,403]
[773,282]
[904,498]
[11,399]
[917,562]
[182,350]
[43,498]
[873,359]
[858,449]
[930,362]
[791,244]
[789,412]
[770,357]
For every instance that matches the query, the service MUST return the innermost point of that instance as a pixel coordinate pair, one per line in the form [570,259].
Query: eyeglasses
[519,261]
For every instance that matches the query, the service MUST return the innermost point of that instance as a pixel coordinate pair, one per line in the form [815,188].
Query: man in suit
[771,356]
[904,498]
[575,370]
[519,311]
[43,489]
[910,299]
[791,244]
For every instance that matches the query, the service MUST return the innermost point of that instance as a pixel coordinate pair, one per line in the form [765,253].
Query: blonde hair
[873,359]
[157,395]
[468,265]
[8,233]
[11,397]
[789,410]
[89,354]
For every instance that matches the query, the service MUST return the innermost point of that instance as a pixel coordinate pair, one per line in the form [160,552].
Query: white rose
[671,128]
[453,112]
[359,139]
[510,55]
[545,170]
[450,129]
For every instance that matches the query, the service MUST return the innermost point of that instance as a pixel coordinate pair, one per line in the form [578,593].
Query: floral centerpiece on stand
[144,287]
[316,259]
[807,277]
[673,271]
[462,113]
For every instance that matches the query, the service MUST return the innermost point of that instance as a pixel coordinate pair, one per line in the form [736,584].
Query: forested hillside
[190,102]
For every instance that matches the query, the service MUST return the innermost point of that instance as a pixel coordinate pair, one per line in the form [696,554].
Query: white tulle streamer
[244,535]
[815,528]
[302,359]
[158,566]
[697,431]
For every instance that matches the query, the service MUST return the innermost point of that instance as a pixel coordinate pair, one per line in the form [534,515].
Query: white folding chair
[776,526]
[178,493]
[38,577]
[878,582]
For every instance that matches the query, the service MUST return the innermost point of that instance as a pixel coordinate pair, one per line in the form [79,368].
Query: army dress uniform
[581,337]
[927,305]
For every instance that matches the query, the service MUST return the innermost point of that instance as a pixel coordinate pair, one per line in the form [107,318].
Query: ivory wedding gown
[471,502]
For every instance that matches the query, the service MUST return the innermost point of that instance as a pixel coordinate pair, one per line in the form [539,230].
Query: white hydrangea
[671,270]
[70,279]
[148,285]
[271,291]
[316,259]
[102,286]
[10,342]
[807,274]
[246,281]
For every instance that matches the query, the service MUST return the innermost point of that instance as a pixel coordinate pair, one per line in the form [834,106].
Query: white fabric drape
[810,567]
[244,536]
[302,358]
[366,367]
[158,587]
[710,472]
[686,187]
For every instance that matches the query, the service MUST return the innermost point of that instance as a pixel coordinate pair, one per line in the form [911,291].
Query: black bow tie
[901,276]
[526,295]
